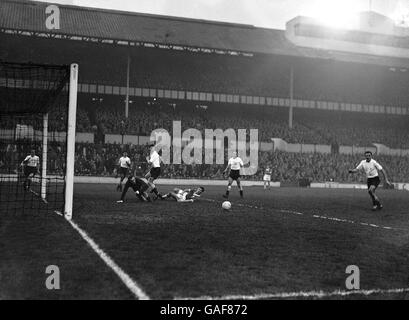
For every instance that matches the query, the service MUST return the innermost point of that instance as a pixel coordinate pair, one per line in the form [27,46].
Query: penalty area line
[122,275]
[301,294]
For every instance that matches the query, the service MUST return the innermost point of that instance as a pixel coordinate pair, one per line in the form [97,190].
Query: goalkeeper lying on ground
[187,195]
[139,186]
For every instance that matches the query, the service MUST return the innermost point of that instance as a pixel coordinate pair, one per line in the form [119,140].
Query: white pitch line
[301,294]
[315,216]
[59,213]
[124,277]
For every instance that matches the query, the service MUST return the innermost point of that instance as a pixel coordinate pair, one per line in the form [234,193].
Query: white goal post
[44,158]
[72,115]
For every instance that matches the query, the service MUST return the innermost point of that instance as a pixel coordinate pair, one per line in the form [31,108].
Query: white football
[226,205]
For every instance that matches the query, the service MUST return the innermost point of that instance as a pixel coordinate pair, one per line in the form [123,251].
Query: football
[226,205]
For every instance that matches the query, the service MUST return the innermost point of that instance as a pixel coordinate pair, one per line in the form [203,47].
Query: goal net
[37,135]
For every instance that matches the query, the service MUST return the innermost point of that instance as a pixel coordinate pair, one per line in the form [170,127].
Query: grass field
[276,241]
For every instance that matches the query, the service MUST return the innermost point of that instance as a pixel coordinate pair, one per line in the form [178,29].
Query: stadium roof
[136,27]
[102,25]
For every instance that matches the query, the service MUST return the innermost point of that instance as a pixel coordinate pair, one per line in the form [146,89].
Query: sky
[261,13]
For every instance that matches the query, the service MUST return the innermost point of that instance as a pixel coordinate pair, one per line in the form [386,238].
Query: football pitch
[274,244]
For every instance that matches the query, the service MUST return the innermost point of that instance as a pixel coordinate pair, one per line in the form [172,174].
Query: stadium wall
[53,136]
[281,145]
[190,182]
[382,149]
[181,182]
[336,185]
[356,150]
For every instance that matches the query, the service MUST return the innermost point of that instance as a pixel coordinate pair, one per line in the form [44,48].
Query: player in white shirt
[30,165]
[267,177]
[184,195]
[124,164]
[234,165]
[372,169]
[154,160]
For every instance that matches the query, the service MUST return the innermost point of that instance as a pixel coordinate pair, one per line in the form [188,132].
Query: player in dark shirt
[139,186]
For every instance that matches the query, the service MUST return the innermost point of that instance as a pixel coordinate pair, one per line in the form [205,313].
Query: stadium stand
[287,167]
[310,126]
[213,58]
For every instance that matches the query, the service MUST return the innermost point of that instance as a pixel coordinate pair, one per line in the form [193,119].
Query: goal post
[71,127]
[38,105]
[44,158]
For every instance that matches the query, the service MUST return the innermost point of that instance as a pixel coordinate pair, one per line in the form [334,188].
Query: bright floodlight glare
[340,14]
[401,14]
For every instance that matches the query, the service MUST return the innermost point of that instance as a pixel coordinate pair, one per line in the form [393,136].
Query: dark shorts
[155,173]
[123,171]
[30,171]
[234,174]
[375,181]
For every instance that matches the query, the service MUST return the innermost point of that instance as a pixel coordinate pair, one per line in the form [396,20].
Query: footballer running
[372,169]
[154,161]
[267,177]
[234,165]
[30,166]
[124,164]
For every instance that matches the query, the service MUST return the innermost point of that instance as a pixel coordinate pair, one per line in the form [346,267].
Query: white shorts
[267,177]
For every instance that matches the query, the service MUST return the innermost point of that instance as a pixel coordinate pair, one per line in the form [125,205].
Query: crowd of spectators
[287,167]
[13,153]
[143,119]
[102,160]
[309,126]
[328,167]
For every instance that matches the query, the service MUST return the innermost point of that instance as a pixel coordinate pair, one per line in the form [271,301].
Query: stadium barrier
[247,183]
[26,132]
[281,145]
[401,186]
[181,182]
[338,185]
[382,149]
[127,139]
[356,150]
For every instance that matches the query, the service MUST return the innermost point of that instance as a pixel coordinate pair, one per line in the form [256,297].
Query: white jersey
[125,162]
[155,159]
[236,163]
[267,174]
[32,161]
[371,168]
[186,195]
[181,195]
